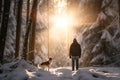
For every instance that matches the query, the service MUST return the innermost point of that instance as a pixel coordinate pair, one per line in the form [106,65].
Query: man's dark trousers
[75,62]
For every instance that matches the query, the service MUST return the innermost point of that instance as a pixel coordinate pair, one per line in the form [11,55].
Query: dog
[46,65]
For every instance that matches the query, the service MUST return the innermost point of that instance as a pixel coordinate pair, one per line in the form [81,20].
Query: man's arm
[70,51]
[79,51]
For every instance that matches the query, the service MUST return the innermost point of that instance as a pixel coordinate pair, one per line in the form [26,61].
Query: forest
[35,30]
[32,31]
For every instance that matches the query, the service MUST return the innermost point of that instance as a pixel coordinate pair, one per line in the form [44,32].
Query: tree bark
[28,11]
[119,11]
[25,47]
[0,10]
[4,26]
[18,28]
[32,35]
[15,2]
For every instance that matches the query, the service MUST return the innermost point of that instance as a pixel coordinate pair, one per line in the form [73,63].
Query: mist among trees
[29,30]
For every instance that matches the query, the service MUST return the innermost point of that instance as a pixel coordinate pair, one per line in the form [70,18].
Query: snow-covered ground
[21,70]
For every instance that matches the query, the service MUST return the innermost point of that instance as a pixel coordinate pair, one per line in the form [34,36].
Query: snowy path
[23,71]
[63,73]
[91,73]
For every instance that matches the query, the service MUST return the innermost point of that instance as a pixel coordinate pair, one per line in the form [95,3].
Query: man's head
[74,40]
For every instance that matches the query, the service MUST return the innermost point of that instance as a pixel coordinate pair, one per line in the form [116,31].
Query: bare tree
[18,28]
[4,26]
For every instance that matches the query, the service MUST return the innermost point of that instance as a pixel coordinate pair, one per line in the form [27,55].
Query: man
[75,53]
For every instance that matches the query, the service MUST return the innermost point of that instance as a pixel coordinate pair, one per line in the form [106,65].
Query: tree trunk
[119,11]
[33,27]
[14,9]
[4,26]
[18,28]
[0,11]
[28,11]
[25,47]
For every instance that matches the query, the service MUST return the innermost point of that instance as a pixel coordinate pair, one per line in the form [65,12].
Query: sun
[62,22]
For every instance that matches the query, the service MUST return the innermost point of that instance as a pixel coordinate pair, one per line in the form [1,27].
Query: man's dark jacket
[75,49]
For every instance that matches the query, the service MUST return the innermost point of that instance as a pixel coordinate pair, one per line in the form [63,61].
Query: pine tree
[18,28]
[32,34]
[4,26]
[0,10]
[14,9]
[25,47]
[119,11]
